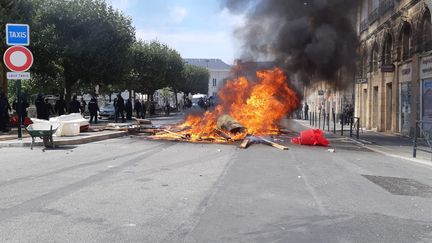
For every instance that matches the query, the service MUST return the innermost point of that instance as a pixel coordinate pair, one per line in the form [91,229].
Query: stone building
[394,76]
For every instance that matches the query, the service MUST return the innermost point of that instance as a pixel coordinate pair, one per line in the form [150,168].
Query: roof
[209,63]
[254,66]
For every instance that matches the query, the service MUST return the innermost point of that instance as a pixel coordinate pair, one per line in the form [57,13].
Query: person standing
[40,107]
[129,109]
[24,106]
[49,110]
[83,105]
[74,105]
[306,111]
[144,110]
[93,109]
[4,112]
[138,108]
[60,106]
[119,108]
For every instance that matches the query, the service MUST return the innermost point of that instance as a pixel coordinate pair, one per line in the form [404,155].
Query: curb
[90,139]
[416,160]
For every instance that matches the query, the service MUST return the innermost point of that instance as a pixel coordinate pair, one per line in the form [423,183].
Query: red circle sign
[18,58]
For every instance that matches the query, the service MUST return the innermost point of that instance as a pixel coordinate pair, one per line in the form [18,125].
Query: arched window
[387,49]
[425,34]
[374,58]
[405,42]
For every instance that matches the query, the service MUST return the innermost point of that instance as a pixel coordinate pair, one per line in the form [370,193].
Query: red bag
[311,137]
[14,121]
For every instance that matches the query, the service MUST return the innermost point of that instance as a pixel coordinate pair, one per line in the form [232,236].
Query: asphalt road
[135,190]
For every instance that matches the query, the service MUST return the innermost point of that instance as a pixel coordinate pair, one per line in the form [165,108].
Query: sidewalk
[10,139]
[84,137]
[388,144]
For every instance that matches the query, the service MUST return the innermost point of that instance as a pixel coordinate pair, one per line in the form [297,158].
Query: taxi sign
[17,34]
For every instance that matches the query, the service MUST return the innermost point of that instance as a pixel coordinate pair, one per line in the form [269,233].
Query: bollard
[324,121]
[342,124]
[358,127]
[319,119]
[415,141]
[351,126]
[328,122]
[334,122]
[310,118]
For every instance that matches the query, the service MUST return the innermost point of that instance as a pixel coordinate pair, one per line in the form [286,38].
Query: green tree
[86,40]
[195,80]
[174,72]
[149,66]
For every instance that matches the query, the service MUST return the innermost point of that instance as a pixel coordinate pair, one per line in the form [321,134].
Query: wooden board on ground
[245,143]
[143,121]
[222,134]
[273,144]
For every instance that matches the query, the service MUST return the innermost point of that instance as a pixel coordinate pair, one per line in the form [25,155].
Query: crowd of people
[124,110]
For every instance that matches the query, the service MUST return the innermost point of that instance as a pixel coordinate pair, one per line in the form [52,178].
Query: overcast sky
[195,28]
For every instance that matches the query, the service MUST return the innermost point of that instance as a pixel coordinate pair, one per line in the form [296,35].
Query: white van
[196,98]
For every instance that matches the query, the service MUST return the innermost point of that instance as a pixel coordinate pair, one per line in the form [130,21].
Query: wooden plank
[175,134]
[180,129]
[245,143]
[222,134]
[273,144]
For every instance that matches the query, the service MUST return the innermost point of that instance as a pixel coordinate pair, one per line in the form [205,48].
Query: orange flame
[258,106]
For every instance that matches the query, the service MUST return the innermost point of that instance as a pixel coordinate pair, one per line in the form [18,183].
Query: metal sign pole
[19,108]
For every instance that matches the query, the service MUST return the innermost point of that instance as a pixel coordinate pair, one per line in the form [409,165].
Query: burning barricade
[246,112]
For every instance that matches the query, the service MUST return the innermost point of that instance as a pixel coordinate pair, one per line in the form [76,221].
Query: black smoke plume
[314,39]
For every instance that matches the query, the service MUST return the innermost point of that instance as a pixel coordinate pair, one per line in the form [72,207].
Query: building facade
[219,71]
[393,86]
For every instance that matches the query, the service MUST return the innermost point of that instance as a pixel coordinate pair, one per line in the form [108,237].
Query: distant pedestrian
[119,108]
[167,109]
[74,105]
[49,109]
[144,110]
[83,105]
[60,106]
[138,108]
[129,109]
[4,112]
[306,111]
[152,110]
[24,106]
[201,103]
[93,109]
[41,111]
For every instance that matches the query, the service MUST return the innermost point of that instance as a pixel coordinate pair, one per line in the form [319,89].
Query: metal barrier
[353,123]
[423,134]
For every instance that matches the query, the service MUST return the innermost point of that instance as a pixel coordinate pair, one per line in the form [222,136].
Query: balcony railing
[385,6]
[364,25]
[373,16]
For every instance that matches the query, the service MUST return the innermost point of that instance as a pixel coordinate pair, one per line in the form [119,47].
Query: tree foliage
[87,40]
[195,80]
[154,66]
[78,44]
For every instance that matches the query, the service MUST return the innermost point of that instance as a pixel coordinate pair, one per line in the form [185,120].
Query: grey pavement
[132,189]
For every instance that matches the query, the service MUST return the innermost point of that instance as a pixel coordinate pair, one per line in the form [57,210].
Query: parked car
[107,110]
